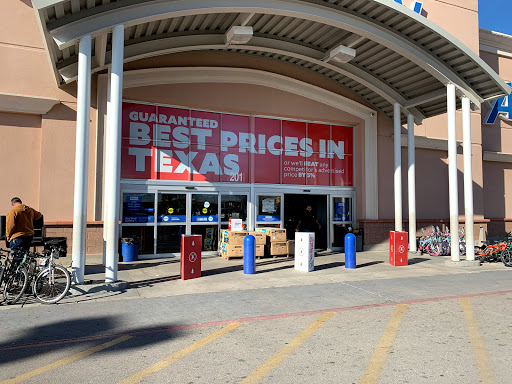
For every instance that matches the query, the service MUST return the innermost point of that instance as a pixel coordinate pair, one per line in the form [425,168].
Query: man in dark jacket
[308,221]
[19,227]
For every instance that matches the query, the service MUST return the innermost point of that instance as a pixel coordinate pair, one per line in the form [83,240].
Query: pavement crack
[370,292]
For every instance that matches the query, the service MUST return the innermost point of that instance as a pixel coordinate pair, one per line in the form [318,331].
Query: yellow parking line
[66,360]
[483,362]
[374,369]
[263,370]
[178,355]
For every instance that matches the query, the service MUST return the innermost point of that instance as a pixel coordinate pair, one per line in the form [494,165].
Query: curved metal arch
[68,34]
[216,42]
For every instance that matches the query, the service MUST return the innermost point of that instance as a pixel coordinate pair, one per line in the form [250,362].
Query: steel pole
[411,180]
[452,172]
[113,150]
[398,167]
[468,179]
[81,160]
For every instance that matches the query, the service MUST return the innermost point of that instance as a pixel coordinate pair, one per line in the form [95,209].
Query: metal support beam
[398,167]
[81,159]
[411,179]
[452,172]
[468,179]
[113,148]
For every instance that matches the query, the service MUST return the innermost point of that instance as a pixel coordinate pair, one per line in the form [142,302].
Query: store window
[233,207]
[341,219]
[269,209]
[205,208]
[209,234]
[172,208]
[143,235]
[341,209]
[138,207]
[169,238]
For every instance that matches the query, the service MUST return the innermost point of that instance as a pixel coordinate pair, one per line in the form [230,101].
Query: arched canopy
[400,56]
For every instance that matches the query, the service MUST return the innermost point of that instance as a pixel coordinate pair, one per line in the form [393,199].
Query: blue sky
[496,15]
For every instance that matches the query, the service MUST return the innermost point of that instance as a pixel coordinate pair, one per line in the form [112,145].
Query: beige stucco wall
[498,138]
[45,159]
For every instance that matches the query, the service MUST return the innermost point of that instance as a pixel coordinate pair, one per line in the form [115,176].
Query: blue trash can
[129,249]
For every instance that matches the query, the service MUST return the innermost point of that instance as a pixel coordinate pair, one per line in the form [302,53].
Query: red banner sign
[164,143]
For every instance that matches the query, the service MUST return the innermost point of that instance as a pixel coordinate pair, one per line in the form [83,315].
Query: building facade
[156,119]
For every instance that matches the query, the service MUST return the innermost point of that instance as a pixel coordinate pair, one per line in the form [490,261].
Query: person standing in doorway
[19,227]
[308,221]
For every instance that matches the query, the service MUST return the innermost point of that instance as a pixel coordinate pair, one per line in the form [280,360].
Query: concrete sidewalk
[161,277]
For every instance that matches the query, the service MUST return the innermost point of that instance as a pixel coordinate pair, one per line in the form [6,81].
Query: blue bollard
[350,251]
[249,255]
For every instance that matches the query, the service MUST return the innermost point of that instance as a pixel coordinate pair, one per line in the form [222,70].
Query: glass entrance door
[205,218]
[171,222]
[269,210]
[233,206]
[138,218]
[342,217]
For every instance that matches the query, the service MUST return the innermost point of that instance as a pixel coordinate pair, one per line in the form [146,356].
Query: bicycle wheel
[49,288]
[506,257]
[434,249]
[16,286]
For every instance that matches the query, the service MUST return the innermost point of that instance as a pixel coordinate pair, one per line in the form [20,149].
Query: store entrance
[295,208]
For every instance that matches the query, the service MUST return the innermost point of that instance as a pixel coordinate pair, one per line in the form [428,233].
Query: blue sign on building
[416,6]
[499,107]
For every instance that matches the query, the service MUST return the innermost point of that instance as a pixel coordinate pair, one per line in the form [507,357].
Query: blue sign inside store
[205,219]
[138,219]
[341,213]
[268,218]
[172,218]
[134,203]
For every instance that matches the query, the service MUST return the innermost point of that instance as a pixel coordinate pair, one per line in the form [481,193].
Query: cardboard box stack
[260,239]
[232,243]
[276,244]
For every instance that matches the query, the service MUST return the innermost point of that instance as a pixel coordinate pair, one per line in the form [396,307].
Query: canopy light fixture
[238,35]
[341,54]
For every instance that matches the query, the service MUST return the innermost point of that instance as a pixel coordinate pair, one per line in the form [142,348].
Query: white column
[113,150]
[468,179]
[398,168]
[411,179]
[81,159]
[452,171]
[105,183]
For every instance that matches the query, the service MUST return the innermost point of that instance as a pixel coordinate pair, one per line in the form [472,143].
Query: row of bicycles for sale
[438,243]
[25,271]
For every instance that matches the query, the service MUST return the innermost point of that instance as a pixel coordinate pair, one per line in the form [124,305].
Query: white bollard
[305,251]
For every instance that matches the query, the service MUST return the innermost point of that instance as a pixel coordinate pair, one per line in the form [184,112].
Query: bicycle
[49,282]
[490,253]
[6,267]
[506,254]
[52,283]
[17,281]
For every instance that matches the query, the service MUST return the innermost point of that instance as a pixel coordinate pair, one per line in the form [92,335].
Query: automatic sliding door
[171,222]
[233,207]
[138,217]
[341,219]
[205,219]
